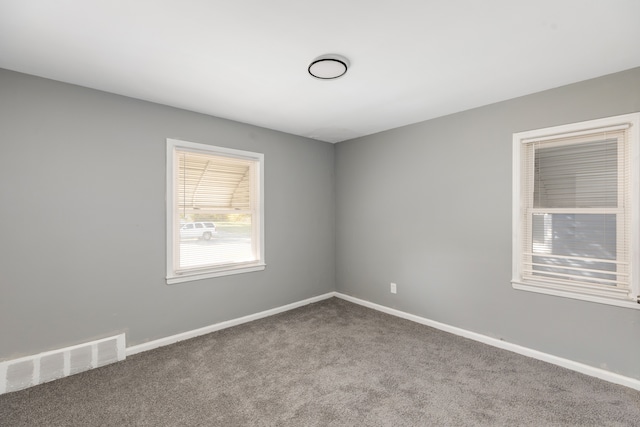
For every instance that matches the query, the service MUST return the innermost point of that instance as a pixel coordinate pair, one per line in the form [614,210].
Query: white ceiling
[246,60]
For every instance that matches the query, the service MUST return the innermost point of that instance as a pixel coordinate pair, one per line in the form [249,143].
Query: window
[575,210]
[214,211]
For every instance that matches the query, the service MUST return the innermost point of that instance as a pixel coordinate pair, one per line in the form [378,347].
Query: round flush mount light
[328,67]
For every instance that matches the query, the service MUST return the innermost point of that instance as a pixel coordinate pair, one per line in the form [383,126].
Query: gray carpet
[332,363]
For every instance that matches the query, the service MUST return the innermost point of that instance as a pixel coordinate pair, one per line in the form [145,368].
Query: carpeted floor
[332,363]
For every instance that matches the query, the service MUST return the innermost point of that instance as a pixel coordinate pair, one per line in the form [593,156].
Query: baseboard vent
[28,371]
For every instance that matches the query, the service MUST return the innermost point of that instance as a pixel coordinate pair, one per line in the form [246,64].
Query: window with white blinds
[214,211]
[576,210]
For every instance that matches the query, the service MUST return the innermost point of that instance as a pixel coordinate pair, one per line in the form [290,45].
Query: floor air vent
[28,371]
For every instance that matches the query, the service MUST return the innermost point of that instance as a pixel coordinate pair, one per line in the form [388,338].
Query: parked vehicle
[197,230]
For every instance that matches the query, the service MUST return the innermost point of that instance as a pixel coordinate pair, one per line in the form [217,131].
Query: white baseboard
[28,371]
[36,373]
[223,325]
[525,351]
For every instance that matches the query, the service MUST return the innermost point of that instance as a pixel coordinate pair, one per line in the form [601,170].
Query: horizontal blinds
[575,212]
[219,192]
[214,183]
[581,175]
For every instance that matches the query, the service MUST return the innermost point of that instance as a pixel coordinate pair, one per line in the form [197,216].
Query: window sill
[546,289]
[207,274]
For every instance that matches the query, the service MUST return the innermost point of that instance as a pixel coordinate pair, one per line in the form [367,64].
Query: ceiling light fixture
[328,67]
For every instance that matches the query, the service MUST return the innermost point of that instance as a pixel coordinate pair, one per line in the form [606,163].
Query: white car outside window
[197,230]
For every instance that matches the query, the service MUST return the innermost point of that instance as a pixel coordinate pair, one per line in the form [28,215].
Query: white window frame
[520,139]
[173,239]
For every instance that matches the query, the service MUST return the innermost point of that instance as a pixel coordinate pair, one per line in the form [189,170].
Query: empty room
[338,213]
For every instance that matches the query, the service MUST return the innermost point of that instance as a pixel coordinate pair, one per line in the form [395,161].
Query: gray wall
[429,206]
[82,219]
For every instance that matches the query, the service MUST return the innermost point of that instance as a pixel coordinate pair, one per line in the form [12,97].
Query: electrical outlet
[394,288]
